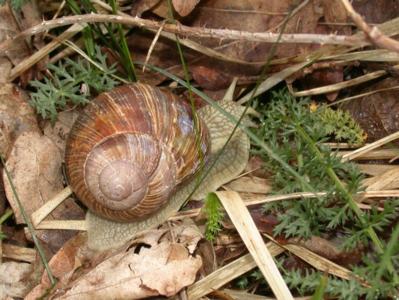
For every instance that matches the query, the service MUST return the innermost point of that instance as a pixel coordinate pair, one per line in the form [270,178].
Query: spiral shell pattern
[131,149]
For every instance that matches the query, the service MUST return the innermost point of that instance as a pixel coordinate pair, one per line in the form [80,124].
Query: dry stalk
[266,37]
[373,33]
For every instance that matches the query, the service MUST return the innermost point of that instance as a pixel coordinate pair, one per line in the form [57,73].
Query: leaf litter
[174,259]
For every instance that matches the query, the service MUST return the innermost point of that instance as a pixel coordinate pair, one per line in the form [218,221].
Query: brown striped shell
[131,148]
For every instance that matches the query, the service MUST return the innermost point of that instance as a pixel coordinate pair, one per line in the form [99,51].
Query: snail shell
[131,149]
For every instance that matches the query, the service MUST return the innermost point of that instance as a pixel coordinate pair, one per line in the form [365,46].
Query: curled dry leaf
[184,7]
[140,6]
[14,279]
[160,270]
[16,116]
[35,168]
[73,254]
[187,234]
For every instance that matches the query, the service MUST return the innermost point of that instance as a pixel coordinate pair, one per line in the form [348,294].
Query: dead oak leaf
[184,7]
[14,279]
[34,164]
[160,270]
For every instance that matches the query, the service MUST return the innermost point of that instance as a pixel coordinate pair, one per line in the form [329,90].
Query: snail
[135,153]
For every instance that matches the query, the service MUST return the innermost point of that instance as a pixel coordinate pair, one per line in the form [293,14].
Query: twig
[373,33]
[266,37]
[152,46]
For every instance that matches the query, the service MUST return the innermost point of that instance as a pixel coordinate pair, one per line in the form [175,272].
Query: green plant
[340,125]
[297,133]
[71,83]
[213,211]
[15,4]
[7,214]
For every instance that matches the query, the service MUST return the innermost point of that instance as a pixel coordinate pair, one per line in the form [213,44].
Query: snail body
[134,154]
[131,149]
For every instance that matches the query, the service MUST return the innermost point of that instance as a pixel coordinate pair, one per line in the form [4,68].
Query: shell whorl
[131,148]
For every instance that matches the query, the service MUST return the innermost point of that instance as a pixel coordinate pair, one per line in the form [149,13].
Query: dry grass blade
[273,80]
[227,273]
[252,239]
[382,55]
[345,84]
[373,155]
[63,225]
[386,180]
[297,196]
[240,295]
[19,253]
[321,263]
[38,55]
[50,205]
[361,151]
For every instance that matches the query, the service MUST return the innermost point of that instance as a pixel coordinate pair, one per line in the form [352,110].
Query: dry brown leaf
[160,270]
[12,23]
[35,168]
[377,11]
[252,16]
[377,113]
[184,7]
[187,234]
[8,29]
[71,256]
[14,279]
[16,116]
[140,6]
[58,132]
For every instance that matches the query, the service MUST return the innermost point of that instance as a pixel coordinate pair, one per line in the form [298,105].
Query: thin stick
[267,37]
[373,33]
[152,46]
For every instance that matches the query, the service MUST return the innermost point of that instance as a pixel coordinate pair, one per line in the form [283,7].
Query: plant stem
[352,203]
[125,53]
[26,218]
[8,213]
